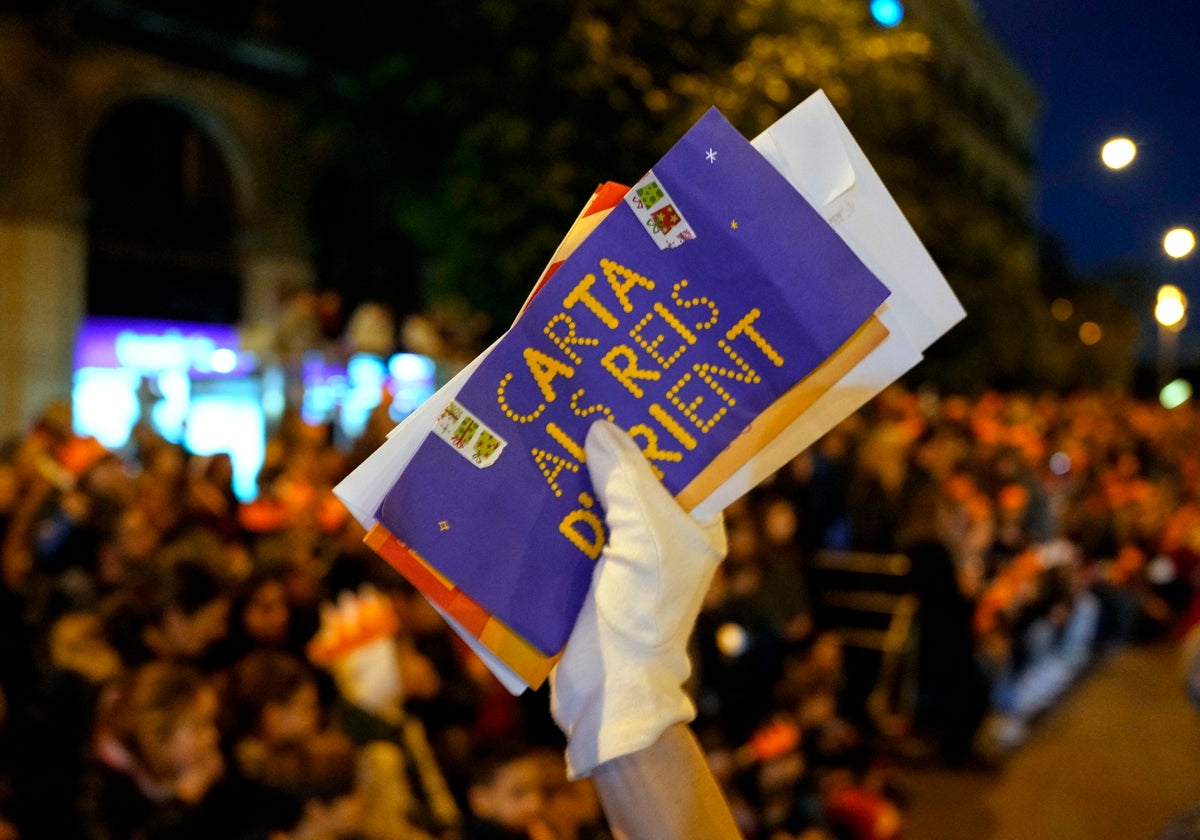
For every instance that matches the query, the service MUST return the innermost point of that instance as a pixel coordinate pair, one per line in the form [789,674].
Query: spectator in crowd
[361,644]
[155,757]
[952,692]
[273,706]
[263,616]
[506,796]
[313,790]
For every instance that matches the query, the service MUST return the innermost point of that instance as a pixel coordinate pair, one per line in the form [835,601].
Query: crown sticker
[468,435]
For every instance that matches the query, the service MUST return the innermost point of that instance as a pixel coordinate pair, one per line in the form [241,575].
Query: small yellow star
[444,525]
[733,224]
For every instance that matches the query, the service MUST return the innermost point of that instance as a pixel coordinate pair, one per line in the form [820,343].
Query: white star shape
[711,155]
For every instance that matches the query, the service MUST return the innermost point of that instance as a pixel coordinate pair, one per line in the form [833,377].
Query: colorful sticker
[470,437]
[660,215]
[665,219]
[650,194]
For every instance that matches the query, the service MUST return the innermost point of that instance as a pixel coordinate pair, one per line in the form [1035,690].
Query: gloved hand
[356,643]
[619,683]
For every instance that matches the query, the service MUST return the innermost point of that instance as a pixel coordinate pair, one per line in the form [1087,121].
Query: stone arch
[205,103]
[163,215]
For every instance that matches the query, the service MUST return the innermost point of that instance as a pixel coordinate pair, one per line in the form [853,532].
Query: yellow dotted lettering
[544,369]
[747,372]
[690,410]
[746,327]
[651,450]
[508,410]
[669,423]
[651,346]
[630,372]
[591,409]
[709,372]
[582,293]
[691,303]
[613,270]
[566,341]
[565,441]
[551,465]
[591,543]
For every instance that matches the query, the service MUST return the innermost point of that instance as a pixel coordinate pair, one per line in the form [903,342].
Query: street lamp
[1170,310]
[1118,152]
[1171,307]
[1179,242]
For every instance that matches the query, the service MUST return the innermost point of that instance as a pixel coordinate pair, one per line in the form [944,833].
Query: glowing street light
[1179,242]
[1118,152]
[1170,310]
[1171,306]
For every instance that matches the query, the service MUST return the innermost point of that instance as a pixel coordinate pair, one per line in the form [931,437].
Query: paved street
[1115,759]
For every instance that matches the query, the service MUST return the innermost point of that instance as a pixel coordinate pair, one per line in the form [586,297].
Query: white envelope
[363,490]
[813,149]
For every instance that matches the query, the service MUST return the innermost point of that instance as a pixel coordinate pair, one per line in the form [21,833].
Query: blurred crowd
[162,673]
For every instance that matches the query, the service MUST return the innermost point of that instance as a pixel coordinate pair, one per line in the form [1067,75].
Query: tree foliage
[485,128]
[479,130]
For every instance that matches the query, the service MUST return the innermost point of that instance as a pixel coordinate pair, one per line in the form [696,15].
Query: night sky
[1106,68]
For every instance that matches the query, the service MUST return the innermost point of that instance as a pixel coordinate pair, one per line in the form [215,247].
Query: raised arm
[618,691]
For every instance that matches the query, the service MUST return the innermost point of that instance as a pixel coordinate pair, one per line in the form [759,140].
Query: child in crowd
[155,757]
[506,794]
[273,704]
[280,742]
[319,776]
[263,616]
[362,647]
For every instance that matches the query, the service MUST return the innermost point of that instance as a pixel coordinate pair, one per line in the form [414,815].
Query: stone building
[960,161]
[145,169]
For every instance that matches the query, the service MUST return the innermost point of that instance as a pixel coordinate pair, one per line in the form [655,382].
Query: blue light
[887,12]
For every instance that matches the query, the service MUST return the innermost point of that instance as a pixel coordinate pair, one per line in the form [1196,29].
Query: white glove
[619,683]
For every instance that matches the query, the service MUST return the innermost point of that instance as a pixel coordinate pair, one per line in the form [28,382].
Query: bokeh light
[887,12]
[1118,153]
[1061,309]
[1179,242]
[1168,311]
[1090,333]
[1060,463]
[1171,306]
[732,639]
[1175,393]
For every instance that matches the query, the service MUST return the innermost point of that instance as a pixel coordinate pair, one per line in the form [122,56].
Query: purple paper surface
[699,339]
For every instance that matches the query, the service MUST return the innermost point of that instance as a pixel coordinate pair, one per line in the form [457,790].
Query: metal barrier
[864,597]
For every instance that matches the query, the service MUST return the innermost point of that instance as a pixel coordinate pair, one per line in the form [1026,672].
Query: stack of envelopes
[729,308]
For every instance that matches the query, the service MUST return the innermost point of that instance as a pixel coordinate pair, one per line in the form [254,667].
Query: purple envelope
[699,301]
